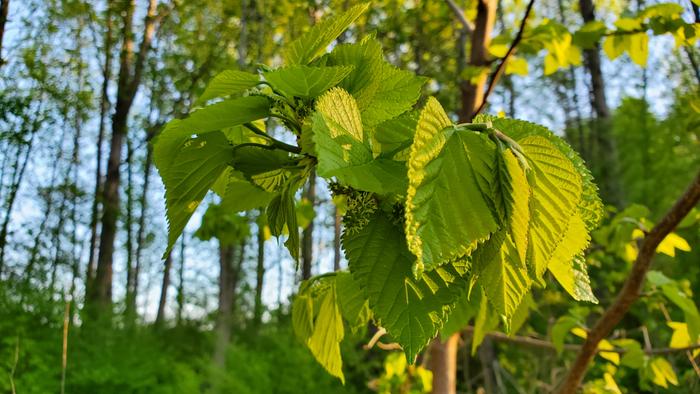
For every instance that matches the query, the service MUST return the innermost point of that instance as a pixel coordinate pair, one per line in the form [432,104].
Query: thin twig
[384,346]
[459,13]
[502,64]
[64,354]
[632,286]
[277,143]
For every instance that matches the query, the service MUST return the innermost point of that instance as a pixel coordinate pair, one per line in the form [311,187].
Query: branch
[632,287]
[459,13]
[547,345]
[275,142]
[502,64]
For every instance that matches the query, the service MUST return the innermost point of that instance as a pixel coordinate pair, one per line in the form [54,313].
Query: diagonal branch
[459,13]
[502,64]
[632,287]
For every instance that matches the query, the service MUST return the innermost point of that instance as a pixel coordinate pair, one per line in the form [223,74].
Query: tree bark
[632,287]
[181,282]
[228,281]
[442,359]
[160,316]
[130,284]
[104,109]
[473,93]
[4,8]
[307,244]
[260,271]
[128,83]
[606,153]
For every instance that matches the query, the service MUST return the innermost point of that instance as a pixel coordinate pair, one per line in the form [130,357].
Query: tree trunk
[228,280]
[160,316]
[4,8]
[260,271]
[442,360]
[181,282]
[130,284]
[605,156]
[473,93]
[131,303]
[104,109]
[101,295]
[307,244]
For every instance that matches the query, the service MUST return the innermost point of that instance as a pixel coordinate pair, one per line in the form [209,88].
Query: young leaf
[556,192]
[241,195]
[411,310]
[313,43]
[502,275]
[228,83]
[222,115]
[328,332]
[447,214]
[485,321]
[396,93]
[393,138]
[343,148]
[194,169]
[567,264]
[304,81]
[367,61]
[590,207]
[353,305]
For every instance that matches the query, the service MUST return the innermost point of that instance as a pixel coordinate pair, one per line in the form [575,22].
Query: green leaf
[447,214]
[556,192]
[353,305]
[464,310]
[303,317]
[412,311]
[241,195]
[396,93]
[560,329]
[305,81]
[502,275]
[512,199]
[343,149]
[228,83]
[367,61]
[393,138]
[219,116]
[485,322]
[568,266]
[313,43]
[282,211]
[590,207]
[690,311]
[194,169]
[589,34]
[324,342]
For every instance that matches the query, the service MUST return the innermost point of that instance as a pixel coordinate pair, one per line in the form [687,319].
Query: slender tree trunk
[228,280]
[260,271]
[130,310]
[442,358]
[140,236]
[104,109]
[606,153]
[4,8]
[128,84]
[307,244]
[181,282]
[160,316]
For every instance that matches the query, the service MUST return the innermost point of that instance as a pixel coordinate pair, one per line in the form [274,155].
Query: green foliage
[433,210]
